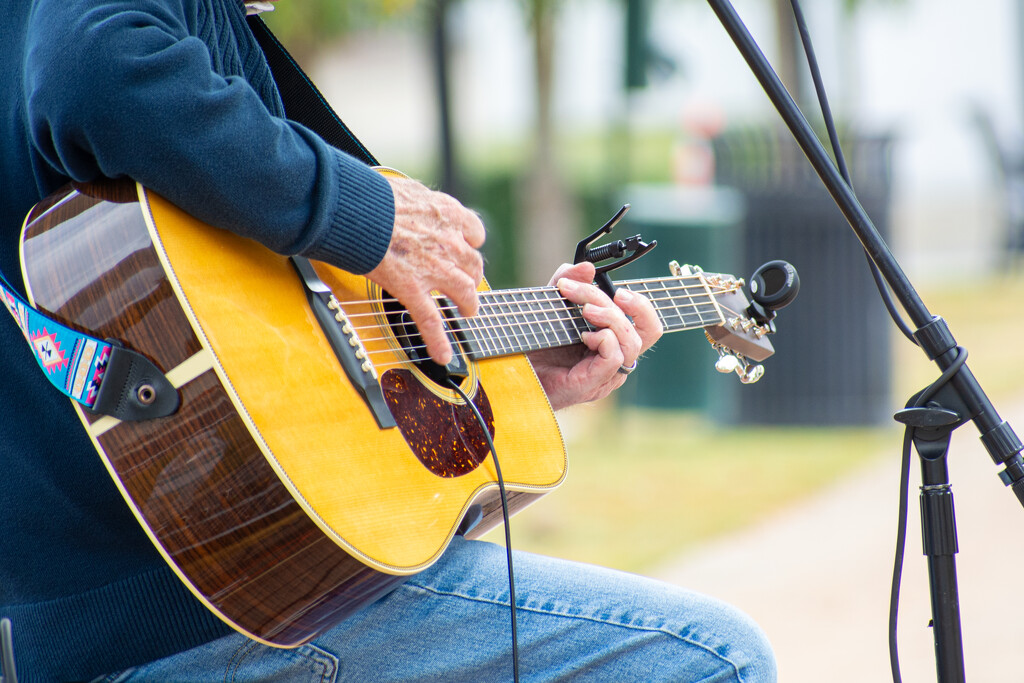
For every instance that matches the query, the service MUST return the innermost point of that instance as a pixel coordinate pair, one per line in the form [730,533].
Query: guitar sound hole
[408,336]
[445,437]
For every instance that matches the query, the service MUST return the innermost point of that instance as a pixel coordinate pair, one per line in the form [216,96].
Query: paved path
[817,576]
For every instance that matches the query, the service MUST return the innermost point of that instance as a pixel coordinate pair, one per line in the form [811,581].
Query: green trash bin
[699,226]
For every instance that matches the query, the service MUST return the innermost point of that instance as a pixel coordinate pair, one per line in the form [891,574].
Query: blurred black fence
[833,363]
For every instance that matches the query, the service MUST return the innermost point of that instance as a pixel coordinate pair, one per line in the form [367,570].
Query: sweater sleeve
[127,88]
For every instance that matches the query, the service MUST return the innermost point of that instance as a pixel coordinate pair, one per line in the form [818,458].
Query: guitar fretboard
[515,321]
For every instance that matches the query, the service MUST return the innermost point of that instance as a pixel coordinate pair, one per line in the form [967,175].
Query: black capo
[636,246]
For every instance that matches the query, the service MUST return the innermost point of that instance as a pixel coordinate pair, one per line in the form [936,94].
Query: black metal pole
[939,542]
[450,181]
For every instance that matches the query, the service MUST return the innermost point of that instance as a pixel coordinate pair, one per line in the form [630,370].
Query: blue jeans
[451,623]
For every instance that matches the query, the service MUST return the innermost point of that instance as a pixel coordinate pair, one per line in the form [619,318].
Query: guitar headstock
[741,341]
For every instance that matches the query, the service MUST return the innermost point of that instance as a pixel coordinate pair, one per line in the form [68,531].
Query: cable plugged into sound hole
[773,286]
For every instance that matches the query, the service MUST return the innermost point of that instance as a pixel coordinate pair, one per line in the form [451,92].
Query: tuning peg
[751,373]
[728,363]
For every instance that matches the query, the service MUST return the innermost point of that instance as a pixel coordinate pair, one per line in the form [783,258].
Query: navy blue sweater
[174,94]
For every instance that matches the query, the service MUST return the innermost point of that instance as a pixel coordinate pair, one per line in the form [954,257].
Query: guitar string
[504,342]
[503,309]
[700,285]
[539,314]
[496,315]
[717,289]
[538,303]
[534,307]
[512,344]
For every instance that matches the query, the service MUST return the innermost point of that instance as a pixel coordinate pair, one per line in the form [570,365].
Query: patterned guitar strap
[101,374]
[74,362]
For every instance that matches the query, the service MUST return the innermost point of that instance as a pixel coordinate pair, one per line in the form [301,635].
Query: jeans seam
[236,660]
[324,659]
[310,653]
[595,620]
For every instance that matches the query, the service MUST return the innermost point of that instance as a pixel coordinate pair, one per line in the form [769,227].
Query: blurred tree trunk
[548,217]
[450,181]
[789,58]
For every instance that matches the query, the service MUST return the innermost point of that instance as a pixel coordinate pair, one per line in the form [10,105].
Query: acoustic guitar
[316,458]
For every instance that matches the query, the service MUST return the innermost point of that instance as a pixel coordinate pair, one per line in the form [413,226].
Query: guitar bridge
[342,337]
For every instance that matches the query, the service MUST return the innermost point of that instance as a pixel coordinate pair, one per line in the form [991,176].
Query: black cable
[901,541]
[504,513]
[840,159]
[819,89]
[901,524]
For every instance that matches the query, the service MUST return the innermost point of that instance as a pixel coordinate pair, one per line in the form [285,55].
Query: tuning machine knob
[729,362]
[751,373]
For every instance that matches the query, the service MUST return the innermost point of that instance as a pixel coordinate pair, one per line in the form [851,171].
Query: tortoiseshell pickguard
[445,437]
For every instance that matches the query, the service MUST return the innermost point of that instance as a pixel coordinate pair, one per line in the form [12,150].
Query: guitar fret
[521,324]
[675,317]
[530,318]
[485,330]
[564,315]
[567,316]
[558,318]
[513,323]
[558,313]
[677,306]
[478,345]
[475,327]
[467,341]
[534,321]
[579,323]
[509,337]
[506,326]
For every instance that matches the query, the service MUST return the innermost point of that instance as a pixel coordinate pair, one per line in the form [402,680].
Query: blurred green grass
[644,486]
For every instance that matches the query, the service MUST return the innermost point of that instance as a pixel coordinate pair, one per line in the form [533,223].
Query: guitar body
[272,492]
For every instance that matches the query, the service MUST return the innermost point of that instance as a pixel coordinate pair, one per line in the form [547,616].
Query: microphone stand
[933,414]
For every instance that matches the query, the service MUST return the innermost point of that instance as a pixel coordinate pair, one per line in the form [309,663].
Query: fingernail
[567,284]
[623,295]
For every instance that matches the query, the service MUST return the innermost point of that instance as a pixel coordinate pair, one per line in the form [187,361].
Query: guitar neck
[513,321]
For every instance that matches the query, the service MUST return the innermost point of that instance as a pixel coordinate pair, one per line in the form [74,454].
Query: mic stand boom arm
[932,334]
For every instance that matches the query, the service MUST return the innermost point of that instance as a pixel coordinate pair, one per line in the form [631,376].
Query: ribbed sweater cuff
[359,226]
